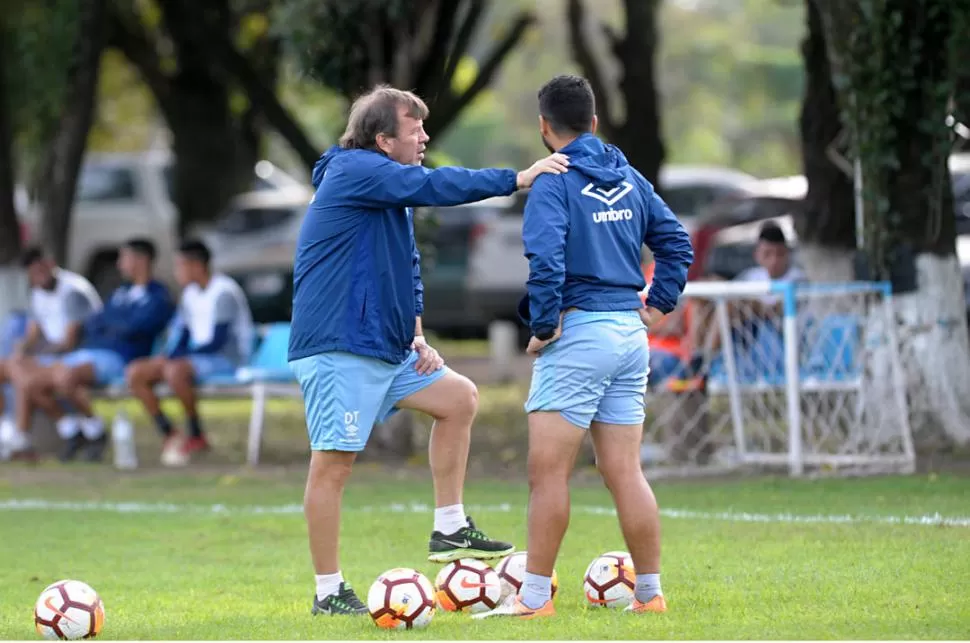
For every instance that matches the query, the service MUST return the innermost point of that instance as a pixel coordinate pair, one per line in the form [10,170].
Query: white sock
[536,590]
[448,520]
[648,586]
[92,428]
[68,426]
[12,437]
[328,584]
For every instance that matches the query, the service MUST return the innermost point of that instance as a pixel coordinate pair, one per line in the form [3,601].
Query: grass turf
[192,573]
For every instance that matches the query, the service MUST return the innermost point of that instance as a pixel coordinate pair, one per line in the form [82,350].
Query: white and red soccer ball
[401,598]
[511,571]
[467,585]
[69,610]
[610,580]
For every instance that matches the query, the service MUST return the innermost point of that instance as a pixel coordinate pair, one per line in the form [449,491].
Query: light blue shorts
[346,394]
[595,372]
[205,366]
[108,365]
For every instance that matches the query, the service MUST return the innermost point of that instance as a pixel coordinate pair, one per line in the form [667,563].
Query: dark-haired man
[774,260]
[356,344]
[60,301]
[583,233]
[126,329]
[211,335]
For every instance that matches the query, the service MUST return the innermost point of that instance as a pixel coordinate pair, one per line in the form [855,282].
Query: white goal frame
[878,390]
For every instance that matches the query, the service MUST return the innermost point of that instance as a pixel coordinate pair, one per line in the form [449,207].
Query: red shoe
[194,445]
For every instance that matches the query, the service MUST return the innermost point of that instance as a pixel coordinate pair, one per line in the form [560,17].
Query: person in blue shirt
[356,344]
[126,329]
[583,234]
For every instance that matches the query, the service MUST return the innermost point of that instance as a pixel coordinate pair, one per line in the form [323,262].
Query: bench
[266,376]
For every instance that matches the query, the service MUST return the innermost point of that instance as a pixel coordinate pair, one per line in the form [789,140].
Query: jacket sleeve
[227,310]
[392,185]
[149,318]
[544,229]
[416,272]
[672,253]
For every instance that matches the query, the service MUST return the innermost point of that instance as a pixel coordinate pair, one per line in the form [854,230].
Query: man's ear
[544,128]
[594,124]
[383,143]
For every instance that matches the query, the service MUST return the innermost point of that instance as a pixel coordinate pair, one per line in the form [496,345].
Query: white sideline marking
[930,520]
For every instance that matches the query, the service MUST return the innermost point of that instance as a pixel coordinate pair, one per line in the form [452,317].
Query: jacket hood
[601,163]
[322,163]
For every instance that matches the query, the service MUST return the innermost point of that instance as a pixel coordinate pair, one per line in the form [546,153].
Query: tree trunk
[898,80]
[826,231]
[9,224]
[70,139]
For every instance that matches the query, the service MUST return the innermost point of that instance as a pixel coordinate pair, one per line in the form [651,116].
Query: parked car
[120,196]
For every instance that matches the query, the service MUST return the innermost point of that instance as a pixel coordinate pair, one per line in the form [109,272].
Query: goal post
[801,376]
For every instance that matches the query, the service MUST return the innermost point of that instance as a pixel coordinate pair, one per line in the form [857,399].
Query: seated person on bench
[125,330]
[60,301]
[212,334]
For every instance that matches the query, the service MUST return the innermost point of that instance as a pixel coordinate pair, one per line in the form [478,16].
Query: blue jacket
[131,321]
[583,232]
[357,273]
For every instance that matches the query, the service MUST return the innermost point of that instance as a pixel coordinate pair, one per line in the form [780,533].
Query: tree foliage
[411,44]
[895,66]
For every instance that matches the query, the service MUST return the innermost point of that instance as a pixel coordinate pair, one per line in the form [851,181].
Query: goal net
[802,377]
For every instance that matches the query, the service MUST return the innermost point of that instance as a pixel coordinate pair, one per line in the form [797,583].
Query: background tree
[895,65]
[415,44]
[826,229]
[636,121]
[212,69]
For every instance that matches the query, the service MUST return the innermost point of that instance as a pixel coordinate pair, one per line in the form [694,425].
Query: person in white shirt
[212,335]
[774,261]
[60,302]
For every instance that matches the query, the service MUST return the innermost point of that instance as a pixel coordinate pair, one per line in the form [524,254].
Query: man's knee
[463,397]
[178,372]
[142,372]
[330,469]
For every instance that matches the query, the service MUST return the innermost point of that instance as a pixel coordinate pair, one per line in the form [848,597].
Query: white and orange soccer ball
[511,571]
[467,585]
[69,610]
[610,580]
[401,598]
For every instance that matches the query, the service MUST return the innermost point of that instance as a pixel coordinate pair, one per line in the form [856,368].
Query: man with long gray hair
[356,344]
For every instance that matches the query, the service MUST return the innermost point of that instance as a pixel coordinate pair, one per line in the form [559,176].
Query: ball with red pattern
[401,598]
[609,580]
[511,571]
[467,585]
[69,610]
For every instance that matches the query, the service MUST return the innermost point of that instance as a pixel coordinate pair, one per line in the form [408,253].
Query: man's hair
[142,246]
[31,256]
[196,250]
[568,105]
[772,233]
[376,113]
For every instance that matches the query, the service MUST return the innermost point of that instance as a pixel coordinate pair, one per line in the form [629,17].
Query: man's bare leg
[326,479]
[73,384]
[553,445]
[618,459]
[452,401]
[180,377]
[142,376]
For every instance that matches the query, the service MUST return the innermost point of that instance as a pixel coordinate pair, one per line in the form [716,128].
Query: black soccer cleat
[345,601]
[467,542]
[96,448]
[71,447]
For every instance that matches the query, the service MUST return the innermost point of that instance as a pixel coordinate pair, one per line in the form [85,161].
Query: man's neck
[204,281]
[141,280]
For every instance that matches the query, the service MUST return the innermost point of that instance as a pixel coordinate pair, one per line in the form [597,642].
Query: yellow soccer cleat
[656,604]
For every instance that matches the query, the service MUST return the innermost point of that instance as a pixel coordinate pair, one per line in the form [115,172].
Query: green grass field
[222,555]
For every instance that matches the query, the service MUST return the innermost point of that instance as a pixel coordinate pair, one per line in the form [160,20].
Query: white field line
[930,520]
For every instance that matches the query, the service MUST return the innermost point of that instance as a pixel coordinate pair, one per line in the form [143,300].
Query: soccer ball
[69,609]
[401,598]
[511,571]
[467,585]
[610,580]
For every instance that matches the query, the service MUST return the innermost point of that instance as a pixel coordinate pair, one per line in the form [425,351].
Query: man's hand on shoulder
[552,164]
[429,360]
